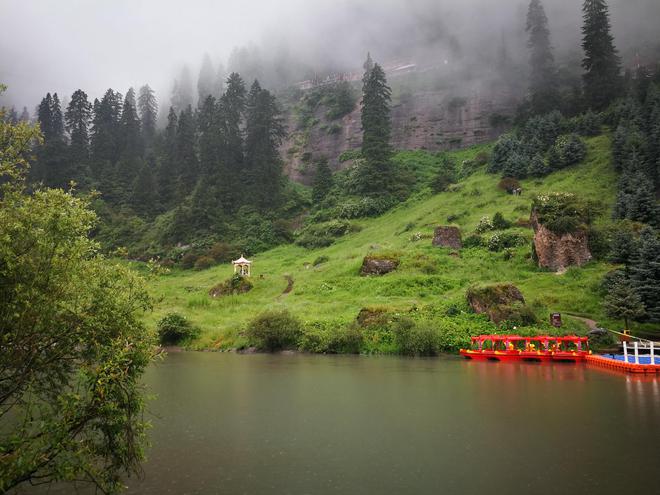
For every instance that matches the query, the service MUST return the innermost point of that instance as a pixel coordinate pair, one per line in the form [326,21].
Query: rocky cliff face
[558,252]
[433,120]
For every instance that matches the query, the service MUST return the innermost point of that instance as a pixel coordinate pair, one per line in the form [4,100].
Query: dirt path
[591,324]
[289,285]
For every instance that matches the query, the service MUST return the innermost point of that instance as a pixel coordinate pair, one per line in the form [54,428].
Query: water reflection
[327,425]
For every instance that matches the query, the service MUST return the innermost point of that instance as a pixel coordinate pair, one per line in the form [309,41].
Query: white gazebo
[243,267]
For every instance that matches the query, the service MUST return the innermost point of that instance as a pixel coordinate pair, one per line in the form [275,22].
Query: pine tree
[167,172]
[205,81]
[45,117]
[147,106]
[543,87]
[25,115]
[623,247]
[52,165]
[376,173]
[184,154]
[57,119]
[323,181]
[77,118]
[131,139]
[182,94]
[144,197]
[602,77]
[645,272]
[106,129]
[263,136]
[231,112]
[622,302]
[219,82]
[368,66]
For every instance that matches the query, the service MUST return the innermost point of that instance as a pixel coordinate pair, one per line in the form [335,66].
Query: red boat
[516,348]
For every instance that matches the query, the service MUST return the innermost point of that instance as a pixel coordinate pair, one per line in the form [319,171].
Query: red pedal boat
[536,349]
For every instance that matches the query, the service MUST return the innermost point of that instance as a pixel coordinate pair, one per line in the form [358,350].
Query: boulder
[449,237]
[501,302]
[559,251]
[377,265]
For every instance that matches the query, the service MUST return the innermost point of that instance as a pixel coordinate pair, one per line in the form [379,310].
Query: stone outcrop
[372,265]
[501,302]
[449,237]
[559,251]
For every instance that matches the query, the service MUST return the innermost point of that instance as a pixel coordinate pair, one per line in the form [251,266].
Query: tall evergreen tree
[322,181]
[77,118]
[219,83]
[184,154]
[376,173]
[52,163]
[622,302]
[131,139]
[45,117]
[167,171]
[144,197]
[231,111]
[147,107]
[182,94]
[602,77]
[206,80]
[263,136]
[106,129]
[25,115]
[645,272]
[543,85]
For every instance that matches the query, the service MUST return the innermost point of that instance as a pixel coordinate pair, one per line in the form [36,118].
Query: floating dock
[635,363]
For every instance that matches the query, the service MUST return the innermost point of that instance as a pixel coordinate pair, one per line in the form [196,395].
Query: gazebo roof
[242,261]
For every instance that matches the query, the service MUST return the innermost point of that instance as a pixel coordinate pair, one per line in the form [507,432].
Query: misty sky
[48,45]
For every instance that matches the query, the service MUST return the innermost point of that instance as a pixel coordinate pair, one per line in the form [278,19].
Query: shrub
[503,149]
[235,285]
[331,338]
[350,155]
[175,328]
[414,339]
[188,260]
[499,223]
[324,234]
[562,213]
[538,166]
[204,262]
[223,252]
[509,184]
[274,330]
[516,165]
[484,225]
[481,158]
[473,241]
[567,151]
[502,240]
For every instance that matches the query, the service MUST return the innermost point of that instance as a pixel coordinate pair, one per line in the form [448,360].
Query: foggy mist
[62,46]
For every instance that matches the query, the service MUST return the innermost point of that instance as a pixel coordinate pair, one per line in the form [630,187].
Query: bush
[414,339]
[331,338]
[562,213]
[499,223]
[324,234]
[274,330]
[204,263]
[237,284]
[508,184]
[484,225]
[504,148]
[503,240]
[175,328]
[482,158]
[567,151]
[473,241]
[188,260]
[223,252]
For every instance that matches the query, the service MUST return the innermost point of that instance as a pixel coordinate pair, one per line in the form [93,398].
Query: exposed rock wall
[558,252]
[433,120]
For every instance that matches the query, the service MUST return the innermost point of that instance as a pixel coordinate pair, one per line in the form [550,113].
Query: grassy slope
[334,291]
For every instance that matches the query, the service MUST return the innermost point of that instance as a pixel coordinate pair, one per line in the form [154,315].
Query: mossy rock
[501,302]
[235,285]
[379,264]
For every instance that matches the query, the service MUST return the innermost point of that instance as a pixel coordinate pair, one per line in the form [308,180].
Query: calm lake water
[261,424]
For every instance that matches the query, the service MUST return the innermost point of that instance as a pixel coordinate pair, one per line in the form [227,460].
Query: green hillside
[430,283]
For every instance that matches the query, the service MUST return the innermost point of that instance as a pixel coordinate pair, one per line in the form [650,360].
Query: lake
[298,424]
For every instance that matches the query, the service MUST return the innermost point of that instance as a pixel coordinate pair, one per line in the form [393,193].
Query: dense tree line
[206,164]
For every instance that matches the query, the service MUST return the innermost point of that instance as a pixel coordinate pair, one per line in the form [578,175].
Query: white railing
[636,347]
